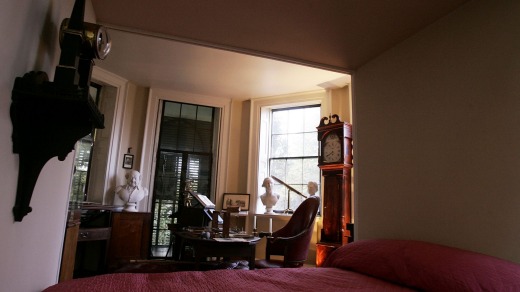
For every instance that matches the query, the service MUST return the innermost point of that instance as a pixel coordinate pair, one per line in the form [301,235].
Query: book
[205,201]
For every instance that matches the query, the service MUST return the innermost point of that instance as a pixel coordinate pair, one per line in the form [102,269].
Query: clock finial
[328,120]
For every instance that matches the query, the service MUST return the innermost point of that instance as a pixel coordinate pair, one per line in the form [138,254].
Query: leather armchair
[293,240]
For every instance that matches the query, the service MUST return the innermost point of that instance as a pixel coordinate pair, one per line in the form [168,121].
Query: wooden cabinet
[105,240]
[92,240]
[129,239]
[94,234]
[69,251]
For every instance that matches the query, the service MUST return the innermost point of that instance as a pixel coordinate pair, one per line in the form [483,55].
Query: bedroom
[448,121]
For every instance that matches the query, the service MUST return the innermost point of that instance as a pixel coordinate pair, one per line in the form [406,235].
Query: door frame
[151,136]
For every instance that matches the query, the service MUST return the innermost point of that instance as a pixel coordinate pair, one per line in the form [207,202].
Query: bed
[367,265]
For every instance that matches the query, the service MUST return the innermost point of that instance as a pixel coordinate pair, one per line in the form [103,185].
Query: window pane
[278,168]
[205,114]
[279,122]
[180,129]
[166,210]
[203,136]
[294,171]
[279,146]
[311,123]
[199,172]
[172,109]
[295,122]
[309,171]
[81,168]
[170,127]
[168,175]
[189,112]
[310,144]
[296,200]
[186,134]
[295,145]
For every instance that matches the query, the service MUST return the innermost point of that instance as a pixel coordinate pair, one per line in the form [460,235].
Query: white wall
[437,134]
[30,250]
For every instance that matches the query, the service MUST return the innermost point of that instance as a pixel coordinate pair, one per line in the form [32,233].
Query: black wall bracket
[50,117]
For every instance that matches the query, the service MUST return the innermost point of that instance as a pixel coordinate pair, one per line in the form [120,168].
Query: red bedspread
[369,265]
[304,279]
[427,266]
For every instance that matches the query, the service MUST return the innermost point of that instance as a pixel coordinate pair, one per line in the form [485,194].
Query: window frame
[259,135]
[150,137]
[288,199]
[117,88]
[183,153]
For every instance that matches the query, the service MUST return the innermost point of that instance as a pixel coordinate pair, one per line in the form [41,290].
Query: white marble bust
[312,188]
[132,192]
[269,198]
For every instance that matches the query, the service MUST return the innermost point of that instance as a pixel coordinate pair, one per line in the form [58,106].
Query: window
[151,160]
[82,160]
[81,171]
[293,152]
[185,152]
[286,146]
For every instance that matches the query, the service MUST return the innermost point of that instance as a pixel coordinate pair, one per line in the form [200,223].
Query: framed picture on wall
[236,200]
[128,161]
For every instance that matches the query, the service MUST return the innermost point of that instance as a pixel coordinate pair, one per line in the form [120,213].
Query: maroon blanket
[304,279]
[427,266]
[370,265]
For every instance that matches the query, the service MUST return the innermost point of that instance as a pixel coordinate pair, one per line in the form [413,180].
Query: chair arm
[290,238]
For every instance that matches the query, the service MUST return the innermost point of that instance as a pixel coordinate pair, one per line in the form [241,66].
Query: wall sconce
[50,117]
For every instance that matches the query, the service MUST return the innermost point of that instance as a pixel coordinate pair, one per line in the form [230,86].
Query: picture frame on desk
[236,200]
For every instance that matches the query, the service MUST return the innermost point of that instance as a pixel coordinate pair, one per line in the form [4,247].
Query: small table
[216,247]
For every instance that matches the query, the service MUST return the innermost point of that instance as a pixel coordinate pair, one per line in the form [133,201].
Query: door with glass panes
[184,152]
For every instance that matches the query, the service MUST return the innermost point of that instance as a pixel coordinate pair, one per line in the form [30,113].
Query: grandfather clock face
[331,151]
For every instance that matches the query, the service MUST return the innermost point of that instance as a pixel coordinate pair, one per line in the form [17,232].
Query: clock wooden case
[335,139]
[335,162]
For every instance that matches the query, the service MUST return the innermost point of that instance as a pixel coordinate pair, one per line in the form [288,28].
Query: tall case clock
[335,162]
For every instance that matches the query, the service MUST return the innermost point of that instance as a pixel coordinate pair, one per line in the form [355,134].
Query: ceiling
[218,48]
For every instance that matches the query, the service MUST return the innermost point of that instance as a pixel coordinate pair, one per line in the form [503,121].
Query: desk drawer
[89,234]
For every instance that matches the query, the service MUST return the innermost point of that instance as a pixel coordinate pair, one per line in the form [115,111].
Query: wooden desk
[215,247]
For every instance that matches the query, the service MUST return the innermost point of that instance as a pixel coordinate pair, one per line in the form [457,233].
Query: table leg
[252,257]
[178,248]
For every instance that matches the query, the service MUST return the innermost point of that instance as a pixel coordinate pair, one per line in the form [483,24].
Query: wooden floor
[160,263]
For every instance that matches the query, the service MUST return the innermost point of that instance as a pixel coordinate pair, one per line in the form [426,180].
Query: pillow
[427,266]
